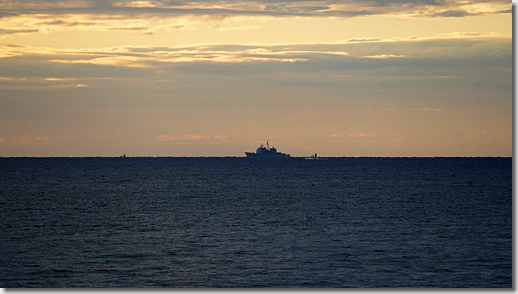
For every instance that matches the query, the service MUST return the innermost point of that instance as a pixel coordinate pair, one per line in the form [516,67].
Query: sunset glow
[218,78]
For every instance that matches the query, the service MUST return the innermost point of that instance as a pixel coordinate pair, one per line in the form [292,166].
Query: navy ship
[266,152]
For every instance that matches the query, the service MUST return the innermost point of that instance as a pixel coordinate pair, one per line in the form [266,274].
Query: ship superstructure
[266,152]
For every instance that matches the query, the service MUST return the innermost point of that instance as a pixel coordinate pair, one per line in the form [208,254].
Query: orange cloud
[356,135]
[60,79]
[12,79]
[219,137]
[33,140]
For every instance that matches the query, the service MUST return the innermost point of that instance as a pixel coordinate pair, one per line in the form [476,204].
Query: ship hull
[266,156]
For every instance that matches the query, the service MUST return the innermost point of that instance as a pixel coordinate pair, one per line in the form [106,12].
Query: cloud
[4,79]
[356,135]
[147,17]
[59,22]
[460,34]
[32,23]
[115,60]
[4,32]
[360,40]
[44,83]
[453,13]
[271,8]
[31,140]
[141,28]
[161,56]
[445,59]
[384,56]
[361,135]
[465,13]
[60,79]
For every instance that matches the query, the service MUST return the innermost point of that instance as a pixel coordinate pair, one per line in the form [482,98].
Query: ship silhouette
[266,152]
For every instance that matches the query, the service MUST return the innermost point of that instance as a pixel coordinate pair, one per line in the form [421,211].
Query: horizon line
[255,159]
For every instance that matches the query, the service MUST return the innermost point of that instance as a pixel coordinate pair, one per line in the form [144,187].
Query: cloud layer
[31,16]
[337,77]
[444,56]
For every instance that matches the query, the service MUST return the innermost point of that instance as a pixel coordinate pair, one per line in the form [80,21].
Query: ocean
[232,222]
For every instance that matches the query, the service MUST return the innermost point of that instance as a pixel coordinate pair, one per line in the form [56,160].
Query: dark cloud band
[273,8]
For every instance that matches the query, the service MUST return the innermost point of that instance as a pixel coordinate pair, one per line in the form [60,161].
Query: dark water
[233,222]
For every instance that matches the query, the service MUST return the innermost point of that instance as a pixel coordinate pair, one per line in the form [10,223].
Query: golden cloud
[384,56]
[34,16]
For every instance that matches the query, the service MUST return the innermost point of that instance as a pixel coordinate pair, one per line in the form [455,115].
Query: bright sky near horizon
[218,78]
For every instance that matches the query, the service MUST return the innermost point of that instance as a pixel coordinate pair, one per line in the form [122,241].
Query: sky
[218,78]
